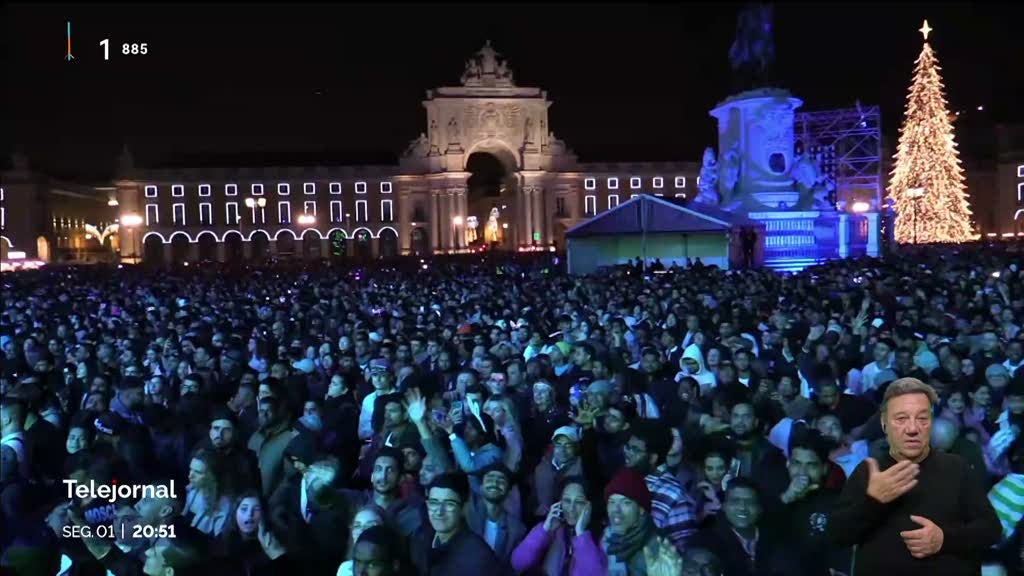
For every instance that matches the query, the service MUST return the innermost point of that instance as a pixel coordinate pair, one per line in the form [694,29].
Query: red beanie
[631,484]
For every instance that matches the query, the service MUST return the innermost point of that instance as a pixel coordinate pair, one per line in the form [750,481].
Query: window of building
[361,209]
[152,214]
[231,213]
[177,190]
[360,187]
[335,187]
[204,189]
[150,191]
[205,213]
[613,183]
[178,214]
[631,196]
[309,188]
[259,215]
[680,195]
[386,211]
[309,208]
[257,189]
[590,205]
[658,182]
[613,201]
[284,212]
[385,187]
[335,210]
[284,189]
[634,183]
[231,189]
[680,181]
[590,184]
[1020,171]
[560,210]
[1020,194]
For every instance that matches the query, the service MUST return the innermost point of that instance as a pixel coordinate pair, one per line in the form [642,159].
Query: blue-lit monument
[761,169]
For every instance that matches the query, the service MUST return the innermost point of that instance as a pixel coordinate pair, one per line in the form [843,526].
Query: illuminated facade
[421,205]
[427,202]
[49,220]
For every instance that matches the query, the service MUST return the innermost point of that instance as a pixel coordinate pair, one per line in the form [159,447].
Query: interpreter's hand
[894,482]
[667,562]
[584,520]
[554,518]
[926,540]
[417,405]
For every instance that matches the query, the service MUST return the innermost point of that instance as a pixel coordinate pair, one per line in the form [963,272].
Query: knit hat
[631,484]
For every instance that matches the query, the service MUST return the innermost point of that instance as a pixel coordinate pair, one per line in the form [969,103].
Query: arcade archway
[388,240]
[491,191]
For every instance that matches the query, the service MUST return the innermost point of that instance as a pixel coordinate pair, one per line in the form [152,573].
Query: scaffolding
[848,142]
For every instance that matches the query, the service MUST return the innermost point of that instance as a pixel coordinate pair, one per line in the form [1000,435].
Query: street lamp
[252,203]
[916,194]
[307,220]
[131,222]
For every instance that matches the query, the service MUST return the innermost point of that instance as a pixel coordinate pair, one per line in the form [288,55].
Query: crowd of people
[472,417]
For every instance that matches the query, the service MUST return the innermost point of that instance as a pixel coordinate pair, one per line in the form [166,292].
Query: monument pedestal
[795,240]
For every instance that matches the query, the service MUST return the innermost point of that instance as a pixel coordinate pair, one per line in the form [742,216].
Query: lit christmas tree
[927,185]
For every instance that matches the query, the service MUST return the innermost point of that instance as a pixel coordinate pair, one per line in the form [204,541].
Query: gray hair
[904,386]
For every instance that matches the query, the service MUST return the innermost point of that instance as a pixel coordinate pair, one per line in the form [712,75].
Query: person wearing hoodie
[692,365]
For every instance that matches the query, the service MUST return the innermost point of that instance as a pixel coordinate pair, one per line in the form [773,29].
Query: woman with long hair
[247,546]
[206,506]
[367,517]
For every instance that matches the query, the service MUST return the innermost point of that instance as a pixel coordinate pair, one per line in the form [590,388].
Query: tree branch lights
[928,186]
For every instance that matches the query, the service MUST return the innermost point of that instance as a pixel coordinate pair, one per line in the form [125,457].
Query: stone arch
[363,244]
[43,248]
[207,242]
[179,247]
[259,243]
[494,183]
[234,250]
[153,248]
[388,241]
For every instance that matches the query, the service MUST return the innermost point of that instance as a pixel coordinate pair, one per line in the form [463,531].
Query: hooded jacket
[703,376]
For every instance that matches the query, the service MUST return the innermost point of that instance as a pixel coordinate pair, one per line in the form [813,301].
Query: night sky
[342,85]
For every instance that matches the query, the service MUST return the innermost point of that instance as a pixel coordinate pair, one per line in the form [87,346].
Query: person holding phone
[563,543]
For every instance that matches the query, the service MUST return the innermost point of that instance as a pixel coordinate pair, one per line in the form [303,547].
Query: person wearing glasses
[449,547]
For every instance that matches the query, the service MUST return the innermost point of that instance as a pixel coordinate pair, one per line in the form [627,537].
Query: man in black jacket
[914,511]
[449,547]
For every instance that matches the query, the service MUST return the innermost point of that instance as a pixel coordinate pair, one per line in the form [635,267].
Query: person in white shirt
[882,353]
[383,383]
[12,428]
